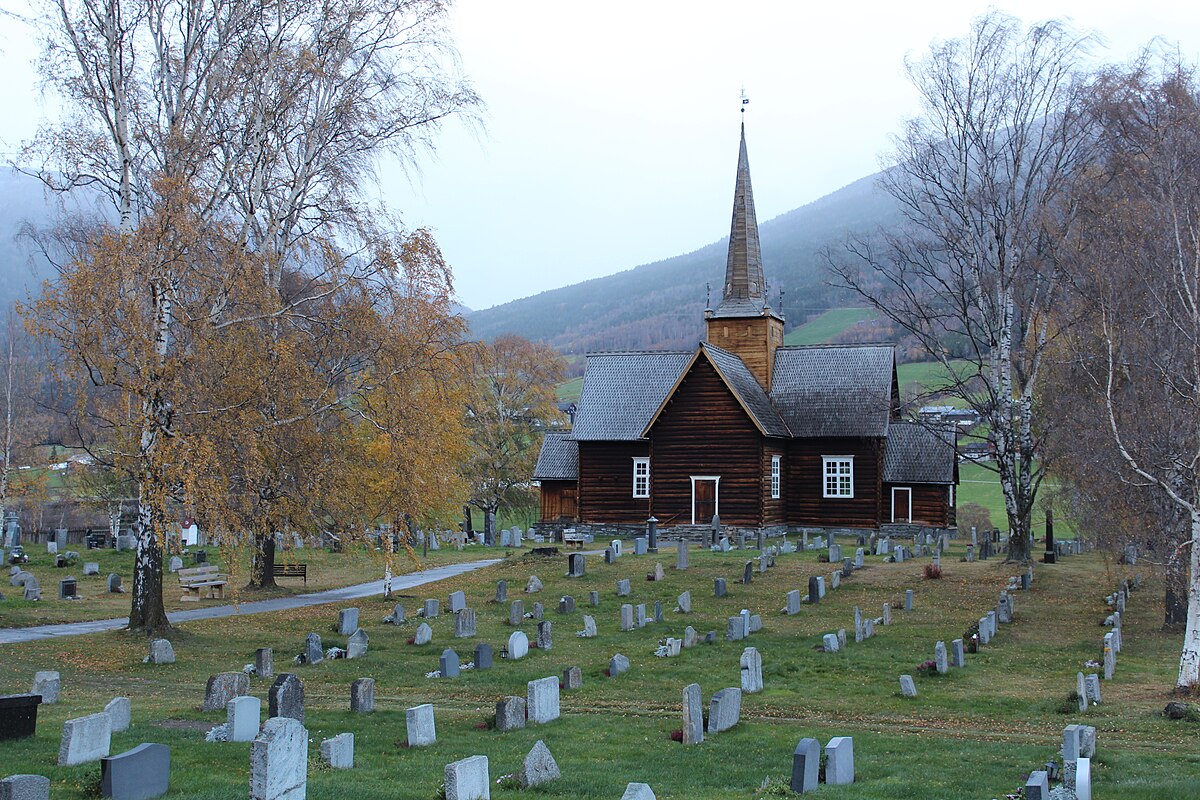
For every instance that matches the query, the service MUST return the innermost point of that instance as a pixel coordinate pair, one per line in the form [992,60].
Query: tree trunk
[1175,602]
[1189,659]
[147,613]
[468,523]
[262,575]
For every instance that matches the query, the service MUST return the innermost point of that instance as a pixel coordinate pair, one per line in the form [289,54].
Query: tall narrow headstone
[751,665]
[939,658]
[908,599]
[806,763]
[693,714]
[681,555]
[264,662]
[719,589]
[279,761]
[286,697]
[839,760]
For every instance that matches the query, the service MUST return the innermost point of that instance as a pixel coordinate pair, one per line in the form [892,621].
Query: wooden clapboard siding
[559,501]
[930,503]
[606,482]
[703,430]
[804,483]
[774,508]
[753,339]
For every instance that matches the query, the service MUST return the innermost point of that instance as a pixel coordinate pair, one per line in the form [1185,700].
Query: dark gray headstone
[719,589]
[814,589]
[448,664]
[286,698]
[264,662]
[362,696]
[483,656]
[138,774]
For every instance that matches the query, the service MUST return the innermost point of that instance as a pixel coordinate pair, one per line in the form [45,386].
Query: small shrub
[1070,705]
[932,572]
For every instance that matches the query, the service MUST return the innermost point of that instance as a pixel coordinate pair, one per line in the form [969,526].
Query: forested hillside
[661,304]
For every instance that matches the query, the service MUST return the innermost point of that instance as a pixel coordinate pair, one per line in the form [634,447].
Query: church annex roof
[917,454]
[559,459]
[834,390]
[622,391]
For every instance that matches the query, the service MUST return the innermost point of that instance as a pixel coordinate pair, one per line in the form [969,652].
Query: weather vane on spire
[745,102]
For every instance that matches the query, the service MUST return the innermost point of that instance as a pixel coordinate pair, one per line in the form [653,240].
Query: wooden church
[763,435]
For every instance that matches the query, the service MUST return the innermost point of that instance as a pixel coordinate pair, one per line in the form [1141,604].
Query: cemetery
[710,674]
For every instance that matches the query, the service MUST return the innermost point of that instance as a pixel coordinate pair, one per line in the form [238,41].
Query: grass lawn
[824,327]
[325,571]
[975,732]
[568,391]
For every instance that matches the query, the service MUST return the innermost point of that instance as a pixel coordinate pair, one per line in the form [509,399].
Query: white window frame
[641,477]
[776,472]
[910,501]
[952,495]
[839,492]
[716,479]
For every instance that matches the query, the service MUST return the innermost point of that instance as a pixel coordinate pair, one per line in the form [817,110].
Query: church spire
[745,291]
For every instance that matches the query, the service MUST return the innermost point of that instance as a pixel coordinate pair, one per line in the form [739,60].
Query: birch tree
[1135,351]
[973,271]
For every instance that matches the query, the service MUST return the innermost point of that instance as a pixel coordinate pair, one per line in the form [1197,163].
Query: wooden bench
[572,538]
[291,571]
[207,579]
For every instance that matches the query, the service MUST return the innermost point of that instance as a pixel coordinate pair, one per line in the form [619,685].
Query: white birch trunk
[1189,659]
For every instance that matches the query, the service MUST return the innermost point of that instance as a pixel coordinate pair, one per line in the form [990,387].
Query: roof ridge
[840,345]
[638,353]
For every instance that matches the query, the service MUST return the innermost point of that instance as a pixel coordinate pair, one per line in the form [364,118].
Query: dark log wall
[559,501]
[804,483]
[705,431]
[930,504]
[606,482]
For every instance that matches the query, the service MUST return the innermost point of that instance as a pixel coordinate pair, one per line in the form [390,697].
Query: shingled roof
[916,454]
[834,390]
[622,391]
[559,459]
[747,389]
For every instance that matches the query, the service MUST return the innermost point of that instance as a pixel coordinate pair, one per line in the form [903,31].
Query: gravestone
[114,583]
[693,714]
[719,589]
[468,779]
[609,556]
[458,601]
[464,623]
[681,555]
[264,662]
[313,652]
[841,637]
[985,631]
[639,615]
[960,658]
[176,564]
[907,687]
[616,548]
[347,621]
[516,613]
[735,629]
[684,603]
[830,642]
[576,568]
[908,599]
[538,767]
[1093,688]
[806,764]
[725,710]
[814,596]
[594,599]
[640,546]
[623,587]
[142,773]
[362,696]
[658,574]
[617,664]
[85,739]
[25,787]
[748,573]
[1083,779]
[224,687]
[279,761]
[751,664]
[356,646]
[533,585]
[858,625]
[689,637]
[868,628]
[1081,692]
[68,588]
[839,761]
[510,714]
[859,558]
[572,678]
[423,635]
[32,591]
[638,791]
[626,617]
[161,652]
[483,656]
[448,664]
[242,718]
[518,645]
[119,713]
[338,751]
[821,587]
[542,701]
[589,627]
[887,613]
[545,635]
[835,581]
[939,658]
[286,698]
[431,608]
[1038,786]
[422,730]
[792,602]
[501,591]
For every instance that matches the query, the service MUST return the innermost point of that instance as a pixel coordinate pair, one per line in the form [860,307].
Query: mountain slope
[661,304]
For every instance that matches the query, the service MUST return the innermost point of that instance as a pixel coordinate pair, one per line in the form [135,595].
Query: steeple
[745,292]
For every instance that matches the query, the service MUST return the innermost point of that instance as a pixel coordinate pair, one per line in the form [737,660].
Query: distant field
[824,328]
[929,374]
[568,391]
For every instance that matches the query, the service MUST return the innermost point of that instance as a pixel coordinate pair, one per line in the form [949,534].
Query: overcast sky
[611,128]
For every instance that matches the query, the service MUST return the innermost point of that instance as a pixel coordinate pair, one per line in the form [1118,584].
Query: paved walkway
[399,583]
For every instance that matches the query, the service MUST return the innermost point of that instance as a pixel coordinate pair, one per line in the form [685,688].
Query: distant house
[763,435]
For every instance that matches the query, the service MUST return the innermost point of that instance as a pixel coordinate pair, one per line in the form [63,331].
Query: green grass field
[975,732]
[826,326]
[568,391]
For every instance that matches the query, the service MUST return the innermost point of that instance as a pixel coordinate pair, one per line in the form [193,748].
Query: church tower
[744,323]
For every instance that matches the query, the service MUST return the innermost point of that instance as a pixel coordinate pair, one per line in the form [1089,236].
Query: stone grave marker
[830,642]
[589,627]
[356,646]
[638,791]
[510,714]
[626,617]
[338,751]
[658,611]
[719,589]
[542,700]
[684,603]
[313,652]
[286,698]
[639,614]
[279,761]
[681,555]
[839,761]
[609,556]
[841,637]
[887,613]
[224,687]
[1083,779]
[792,602]
[725,710]
[960,658]
[468,779]
[85,739]
[458,601]
[501,591]
[735,629]
[161,652]
[538,767]
[464,623]
[751,664]
[423,635]
[908,599]
[939,658]
[623,587]
[518,645]
[538,611]
[689,637]
[362,696]
[1038,786]
[483,656]
[448,664]
[693,714]
[907,687]
[119,713]
[242,718]
[431,608]
[516,613]
[748,573]
[545,635]
[617,664]
[421,728]
[576,568]
[25,787]
[347,621]
[806,764]
[141,773]
[572,678]
[114,583]
[533,585]
[594,599]
[264,662]
[814,594]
